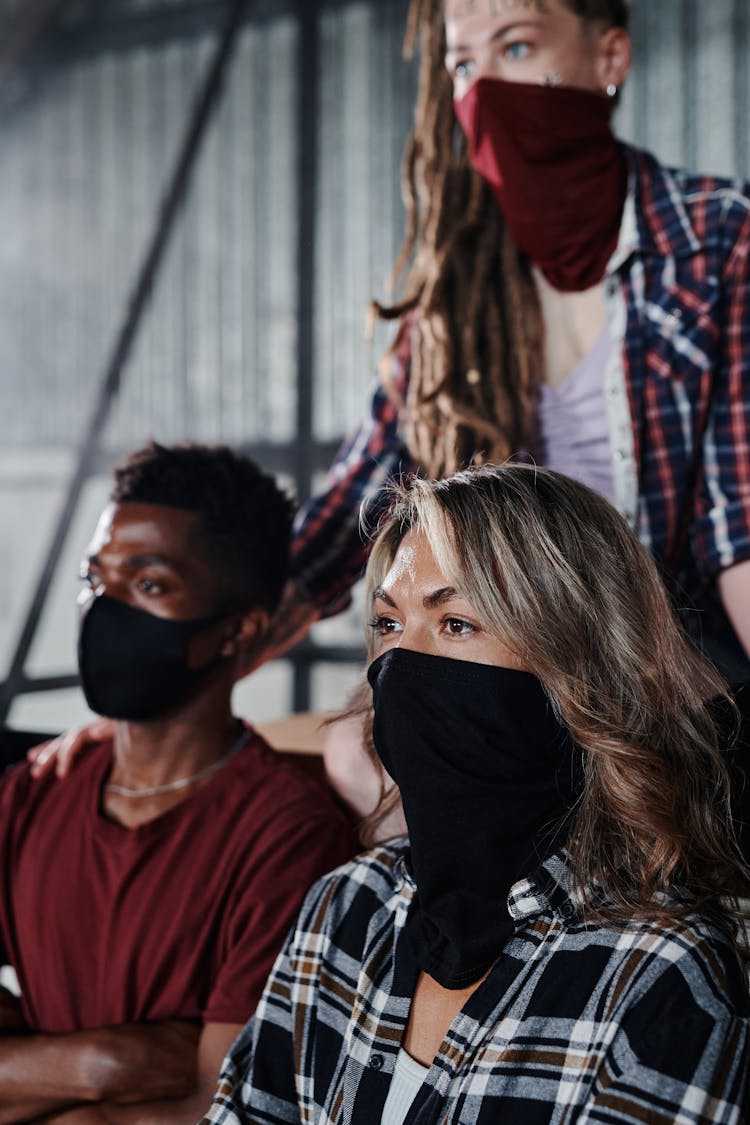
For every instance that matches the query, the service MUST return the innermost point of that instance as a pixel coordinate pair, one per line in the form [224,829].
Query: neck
[164,750]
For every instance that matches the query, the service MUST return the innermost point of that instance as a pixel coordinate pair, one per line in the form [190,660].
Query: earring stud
[611,90]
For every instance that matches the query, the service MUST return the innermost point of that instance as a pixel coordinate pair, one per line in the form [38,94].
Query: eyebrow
[429,601]
[137,561]
[500,33]
[379,594]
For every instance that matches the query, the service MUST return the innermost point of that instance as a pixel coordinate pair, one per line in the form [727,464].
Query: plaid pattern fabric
[677,293]
[575,1023]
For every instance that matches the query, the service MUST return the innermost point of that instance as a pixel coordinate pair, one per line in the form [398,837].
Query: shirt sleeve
[329,549]
[305,845]
[14,786]
[267,1075]
[722,527]
[256,1082]
[698,1077]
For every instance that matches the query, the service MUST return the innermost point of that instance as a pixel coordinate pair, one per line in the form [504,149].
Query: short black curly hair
[244,517]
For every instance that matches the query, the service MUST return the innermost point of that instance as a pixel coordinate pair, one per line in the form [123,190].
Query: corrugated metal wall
[84,158]
[84,161]
[688,98]
[82,171]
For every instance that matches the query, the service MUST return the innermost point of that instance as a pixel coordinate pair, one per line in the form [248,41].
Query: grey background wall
[88,131]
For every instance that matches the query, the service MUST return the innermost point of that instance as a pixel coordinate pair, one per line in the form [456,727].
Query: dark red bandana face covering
[556,169]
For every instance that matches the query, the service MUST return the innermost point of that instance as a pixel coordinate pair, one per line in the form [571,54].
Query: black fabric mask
[488,777]
[132,663]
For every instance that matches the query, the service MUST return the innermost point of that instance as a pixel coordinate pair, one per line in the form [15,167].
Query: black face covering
[487,776]
[132,663]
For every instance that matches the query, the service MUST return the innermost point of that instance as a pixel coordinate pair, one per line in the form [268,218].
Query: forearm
[734,589]
[214,1043]
[330,543]
[181,1111]
[41,1074]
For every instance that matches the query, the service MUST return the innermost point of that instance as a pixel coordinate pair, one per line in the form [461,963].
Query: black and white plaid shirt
[575,1023]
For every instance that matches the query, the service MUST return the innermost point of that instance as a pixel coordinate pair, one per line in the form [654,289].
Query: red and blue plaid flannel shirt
[681,281]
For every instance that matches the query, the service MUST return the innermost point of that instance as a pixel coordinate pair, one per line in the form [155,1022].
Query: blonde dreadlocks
[471,315]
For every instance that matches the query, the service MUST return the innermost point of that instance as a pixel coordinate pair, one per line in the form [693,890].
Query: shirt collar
[550,888]
[654,217]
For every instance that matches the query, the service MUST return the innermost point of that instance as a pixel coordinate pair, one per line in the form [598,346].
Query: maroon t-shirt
[180,918]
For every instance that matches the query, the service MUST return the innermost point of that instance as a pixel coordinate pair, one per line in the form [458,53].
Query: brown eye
[457,627]
[384,626]
[148,586]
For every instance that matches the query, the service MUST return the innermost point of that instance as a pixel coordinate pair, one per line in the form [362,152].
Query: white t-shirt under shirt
[408,1076]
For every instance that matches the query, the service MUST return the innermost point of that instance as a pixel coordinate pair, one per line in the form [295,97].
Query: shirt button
[376,1062]
[567,911]
[622,455]
[676,313]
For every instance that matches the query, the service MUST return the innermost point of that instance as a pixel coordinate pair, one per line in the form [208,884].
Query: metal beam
[123,31]
[308,39]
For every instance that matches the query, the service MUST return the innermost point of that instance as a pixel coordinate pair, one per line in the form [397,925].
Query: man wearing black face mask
[143,900]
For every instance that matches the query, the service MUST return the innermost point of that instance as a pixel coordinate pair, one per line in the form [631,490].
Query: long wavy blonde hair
[552,569]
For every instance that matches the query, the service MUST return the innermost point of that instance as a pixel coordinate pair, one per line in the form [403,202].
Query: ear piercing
[611,90]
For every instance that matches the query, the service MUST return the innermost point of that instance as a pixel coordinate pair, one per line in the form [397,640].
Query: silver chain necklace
[182,782]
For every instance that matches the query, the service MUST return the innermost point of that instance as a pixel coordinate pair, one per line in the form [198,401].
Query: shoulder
[20,791]
[717,208]
[348,898]
[685,1012]
[267,777]
[16,781]
[276,809]
[687,967]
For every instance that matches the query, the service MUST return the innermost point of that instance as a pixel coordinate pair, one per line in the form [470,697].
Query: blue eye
[464,69]
[517,51]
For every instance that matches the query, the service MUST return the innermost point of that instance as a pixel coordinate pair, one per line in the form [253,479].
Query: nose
[101,585]
[484,64]
[418,638]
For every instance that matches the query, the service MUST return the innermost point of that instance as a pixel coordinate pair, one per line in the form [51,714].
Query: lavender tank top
[573,422]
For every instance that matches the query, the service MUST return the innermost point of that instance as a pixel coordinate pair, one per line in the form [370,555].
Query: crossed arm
[734,588]
[160,1072]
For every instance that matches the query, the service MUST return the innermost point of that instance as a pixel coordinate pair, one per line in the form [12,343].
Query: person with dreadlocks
[568,299]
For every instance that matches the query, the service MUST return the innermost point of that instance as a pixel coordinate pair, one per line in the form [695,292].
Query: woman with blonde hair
[554,941]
